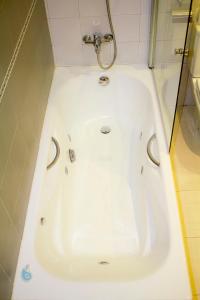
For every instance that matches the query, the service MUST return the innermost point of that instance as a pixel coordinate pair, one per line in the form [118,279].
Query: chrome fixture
[72,155]
[181,16]
[56,155]
[105,129]
[181,51]
[154,161]
[98,39]
[103,263]
[104,80]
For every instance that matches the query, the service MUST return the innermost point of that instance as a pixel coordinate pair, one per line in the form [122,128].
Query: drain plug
[104,263]
[104,80]
[105,130]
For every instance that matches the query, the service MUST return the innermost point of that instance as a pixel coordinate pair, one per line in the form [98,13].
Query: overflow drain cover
[105,129]
[104,80]
[104,263]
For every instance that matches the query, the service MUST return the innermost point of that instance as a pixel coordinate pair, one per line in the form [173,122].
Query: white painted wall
[69,20]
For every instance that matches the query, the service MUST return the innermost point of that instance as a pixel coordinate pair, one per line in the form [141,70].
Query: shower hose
[114,41]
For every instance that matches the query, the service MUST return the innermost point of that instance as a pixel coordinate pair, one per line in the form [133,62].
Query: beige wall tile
[14,171]
[190,202]
[9,241]
[5,285]
[6,51]
[21,118]
[12,17]
[25,183]
[8,125]
[31,64]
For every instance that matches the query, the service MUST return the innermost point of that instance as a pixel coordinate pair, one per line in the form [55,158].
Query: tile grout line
[16,50]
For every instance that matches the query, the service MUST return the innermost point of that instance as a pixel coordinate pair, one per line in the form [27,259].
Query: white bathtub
[103,227]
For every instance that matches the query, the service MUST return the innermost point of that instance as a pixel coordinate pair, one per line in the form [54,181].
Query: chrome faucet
[97,42]
[97,39]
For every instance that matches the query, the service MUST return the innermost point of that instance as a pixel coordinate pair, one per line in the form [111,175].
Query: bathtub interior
[104,216]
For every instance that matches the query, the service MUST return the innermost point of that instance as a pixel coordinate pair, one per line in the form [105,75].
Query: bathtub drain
[105,130]
[104,263]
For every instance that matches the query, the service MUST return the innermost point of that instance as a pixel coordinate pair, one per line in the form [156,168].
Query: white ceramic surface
[70,20]
[111,228]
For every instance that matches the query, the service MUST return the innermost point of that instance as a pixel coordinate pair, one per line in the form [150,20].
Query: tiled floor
[185,156]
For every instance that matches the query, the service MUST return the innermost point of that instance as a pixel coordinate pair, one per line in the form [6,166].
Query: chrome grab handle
[57,153]
[181,51]
[157,163]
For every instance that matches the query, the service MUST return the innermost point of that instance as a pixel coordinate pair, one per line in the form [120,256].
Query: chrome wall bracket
[149,153]
[181,16]
[181,51]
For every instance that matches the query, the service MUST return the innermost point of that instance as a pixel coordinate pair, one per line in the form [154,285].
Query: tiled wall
[70,20]
[12,16]
[170,33]
[21,117]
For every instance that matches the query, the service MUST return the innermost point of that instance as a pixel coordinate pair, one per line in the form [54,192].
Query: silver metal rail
[154,160]
[56,155]
[153,32]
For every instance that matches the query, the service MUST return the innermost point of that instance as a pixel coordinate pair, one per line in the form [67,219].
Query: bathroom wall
[70,20]
[25,78]
[12,17]
[170,32]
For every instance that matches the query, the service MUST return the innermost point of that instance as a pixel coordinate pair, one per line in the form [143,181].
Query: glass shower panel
[172,24]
